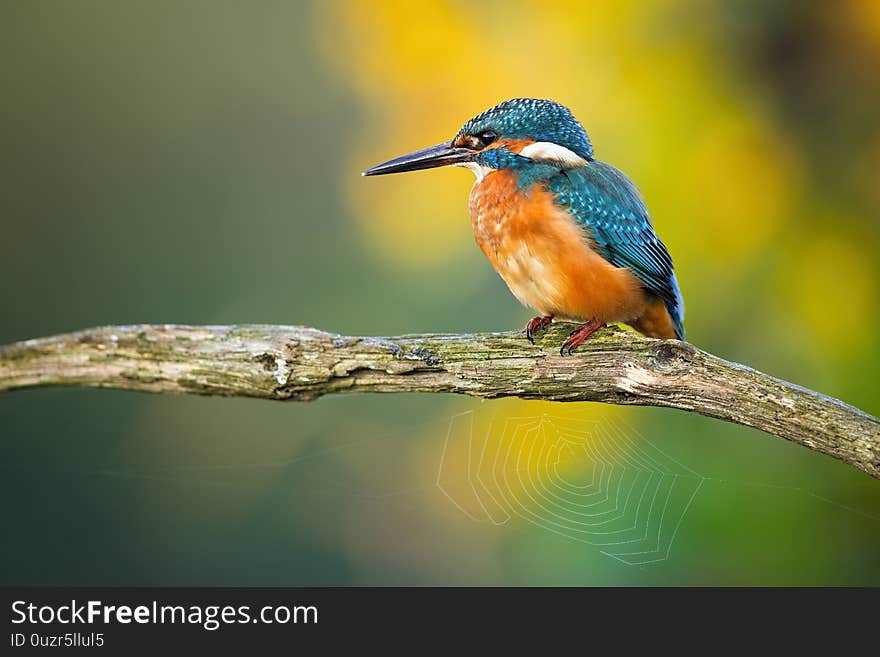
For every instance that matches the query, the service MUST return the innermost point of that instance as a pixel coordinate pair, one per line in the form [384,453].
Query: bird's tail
[676,309]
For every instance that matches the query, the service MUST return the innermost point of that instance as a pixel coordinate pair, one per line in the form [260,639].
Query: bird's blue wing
[605,201]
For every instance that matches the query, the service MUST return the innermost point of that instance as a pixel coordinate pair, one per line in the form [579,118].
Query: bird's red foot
[537,324]
[576,338]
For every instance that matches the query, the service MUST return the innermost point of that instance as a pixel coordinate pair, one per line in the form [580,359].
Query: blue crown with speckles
[532,118]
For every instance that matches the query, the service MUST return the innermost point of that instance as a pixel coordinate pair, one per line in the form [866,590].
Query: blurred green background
[198,162]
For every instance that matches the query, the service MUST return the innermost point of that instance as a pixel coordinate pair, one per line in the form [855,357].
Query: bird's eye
[487,137]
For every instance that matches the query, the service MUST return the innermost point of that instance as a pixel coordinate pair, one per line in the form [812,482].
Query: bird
[569,234]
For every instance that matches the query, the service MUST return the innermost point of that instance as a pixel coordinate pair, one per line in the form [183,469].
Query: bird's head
[515,133]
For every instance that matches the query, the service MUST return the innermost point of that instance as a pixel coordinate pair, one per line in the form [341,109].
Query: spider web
[589,481]
[598,483]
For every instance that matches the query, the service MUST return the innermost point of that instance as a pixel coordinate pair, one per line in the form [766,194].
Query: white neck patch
[479,170]
[547,151]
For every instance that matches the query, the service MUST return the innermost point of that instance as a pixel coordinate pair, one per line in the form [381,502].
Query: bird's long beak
[440,155]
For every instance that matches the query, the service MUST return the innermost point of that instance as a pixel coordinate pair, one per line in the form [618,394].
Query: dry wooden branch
[298,363]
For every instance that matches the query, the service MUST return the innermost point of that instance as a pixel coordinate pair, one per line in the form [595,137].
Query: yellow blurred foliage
[744,182]
[864,16]
[828,281]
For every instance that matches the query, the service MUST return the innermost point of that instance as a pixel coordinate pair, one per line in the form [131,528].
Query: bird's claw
[577,337]
[536,324]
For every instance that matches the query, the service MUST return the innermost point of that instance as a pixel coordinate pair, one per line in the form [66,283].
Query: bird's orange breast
[545,257]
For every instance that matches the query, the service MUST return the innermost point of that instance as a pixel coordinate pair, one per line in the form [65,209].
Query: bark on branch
[299,363]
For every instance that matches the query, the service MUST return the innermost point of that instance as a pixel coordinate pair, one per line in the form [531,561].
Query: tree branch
[298,363]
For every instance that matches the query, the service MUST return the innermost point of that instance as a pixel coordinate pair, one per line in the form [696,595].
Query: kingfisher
[569,234]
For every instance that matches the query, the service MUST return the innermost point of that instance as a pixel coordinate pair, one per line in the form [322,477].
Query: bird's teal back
[607,203]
